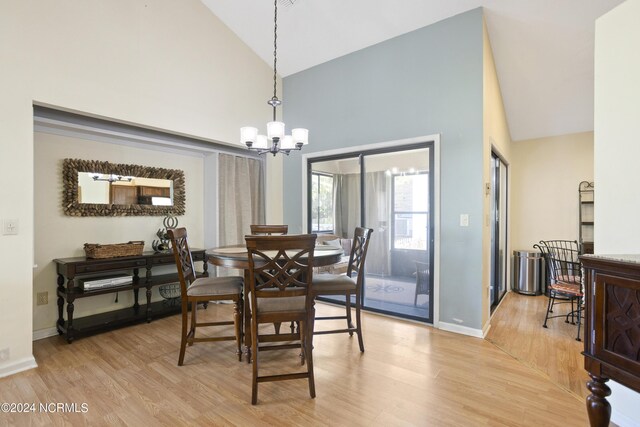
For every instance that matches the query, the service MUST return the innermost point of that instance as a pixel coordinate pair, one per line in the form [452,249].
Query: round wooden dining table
[237,257]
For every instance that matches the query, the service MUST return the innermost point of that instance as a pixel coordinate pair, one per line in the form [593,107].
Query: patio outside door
[389,191]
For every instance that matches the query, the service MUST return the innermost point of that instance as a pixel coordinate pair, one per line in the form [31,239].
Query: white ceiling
[543,49]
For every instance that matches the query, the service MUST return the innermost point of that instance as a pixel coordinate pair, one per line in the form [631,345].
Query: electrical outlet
[42,298]
[4,354]
[464,220]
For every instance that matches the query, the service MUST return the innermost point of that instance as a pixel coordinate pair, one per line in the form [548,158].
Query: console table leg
[60,323]
[598,408]
[148,304]
[70,331]
[136,305]
[205,268]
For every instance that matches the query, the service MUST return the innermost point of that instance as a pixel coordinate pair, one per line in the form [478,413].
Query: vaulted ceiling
[543,49]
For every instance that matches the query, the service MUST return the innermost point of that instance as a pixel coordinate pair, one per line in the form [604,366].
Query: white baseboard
[44,333]
[486,328]
[458,329]
[18,366]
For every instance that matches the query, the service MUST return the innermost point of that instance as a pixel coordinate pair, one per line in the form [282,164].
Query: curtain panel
[241,197]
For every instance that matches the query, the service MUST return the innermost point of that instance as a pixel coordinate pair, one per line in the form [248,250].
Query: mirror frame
[72,207]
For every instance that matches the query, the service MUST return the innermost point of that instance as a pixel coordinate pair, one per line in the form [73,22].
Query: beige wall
[545,174]
[495,137]
[616,130]
[274,189]
[60,236]
[163,64]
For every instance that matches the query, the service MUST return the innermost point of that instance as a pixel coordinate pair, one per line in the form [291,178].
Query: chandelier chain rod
[275,54]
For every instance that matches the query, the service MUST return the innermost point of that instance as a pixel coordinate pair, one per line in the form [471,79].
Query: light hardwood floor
[516,327]
[409,375]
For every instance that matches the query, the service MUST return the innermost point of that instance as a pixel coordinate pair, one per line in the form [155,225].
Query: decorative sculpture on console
[162,245]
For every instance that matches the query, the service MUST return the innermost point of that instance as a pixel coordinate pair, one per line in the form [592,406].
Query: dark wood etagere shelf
[586,218]
[71,269]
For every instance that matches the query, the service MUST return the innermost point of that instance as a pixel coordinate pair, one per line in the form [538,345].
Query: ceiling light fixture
[275,141]
[110,177]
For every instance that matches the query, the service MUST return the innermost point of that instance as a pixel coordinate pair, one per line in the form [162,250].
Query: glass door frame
[496,203]
[361,154]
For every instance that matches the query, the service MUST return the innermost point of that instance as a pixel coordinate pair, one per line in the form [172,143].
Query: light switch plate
[10,226]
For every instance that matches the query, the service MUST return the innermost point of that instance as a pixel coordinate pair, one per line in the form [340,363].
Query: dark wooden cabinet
[71,270]
[146,191]
[612,328]
[123,194]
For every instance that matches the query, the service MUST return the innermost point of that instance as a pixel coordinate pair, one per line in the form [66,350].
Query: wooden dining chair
[340,284]
[268,229]
[203,289]
[280,274]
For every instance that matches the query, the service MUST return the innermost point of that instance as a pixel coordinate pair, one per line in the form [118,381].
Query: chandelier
[110,177]
[275,141]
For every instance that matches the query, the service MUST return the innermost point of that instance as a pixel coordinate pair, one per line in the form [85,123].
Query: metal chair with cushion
[204,289]
[341,284]
[280,274]
[565,279]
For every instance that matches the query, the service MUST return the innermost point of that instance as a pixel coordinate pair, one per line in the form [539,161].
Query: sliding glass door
[390,191]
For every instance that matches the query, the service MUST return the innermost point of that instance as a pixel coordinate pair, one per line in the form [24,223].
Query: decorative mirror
[93,188]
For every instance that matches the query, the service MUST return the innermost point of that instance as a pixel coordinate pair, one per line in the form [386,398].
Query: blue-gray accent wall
[425,82]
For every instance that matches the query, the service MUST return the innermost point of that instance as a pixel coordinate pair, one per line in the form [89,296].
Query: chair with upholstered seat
[269,229]
[341,284]
[204,289]
[280,273]
[565,279]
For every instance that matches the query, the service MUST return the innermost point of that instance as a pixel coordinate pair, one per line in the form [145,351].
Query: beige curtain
[378,217]
[346,204]
[240,199]
[346,193]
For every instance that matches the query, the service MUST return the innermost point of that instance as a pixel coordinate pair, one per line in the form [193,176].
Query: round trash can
[527,272]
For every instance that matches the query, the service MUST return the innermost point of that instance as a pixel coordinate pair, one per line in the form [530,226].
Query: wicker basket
[170,290]
[94,250]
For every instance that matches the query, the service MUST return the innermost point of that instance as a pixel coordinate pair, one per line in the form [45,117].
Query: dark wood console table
[612,328]
[70,269]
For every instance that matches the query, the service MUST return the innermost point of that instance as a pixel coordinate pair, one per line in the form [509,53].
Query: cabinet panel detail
[623,321]
[612,319]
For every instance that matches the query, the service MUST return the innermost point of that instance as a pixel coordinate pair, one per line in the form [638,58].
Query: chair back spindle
[360,245]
